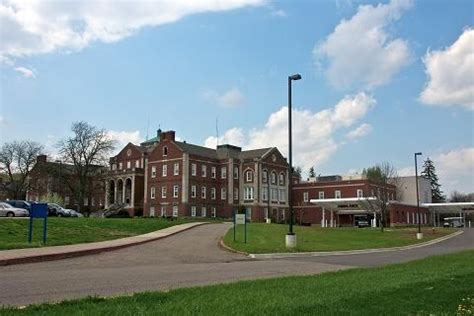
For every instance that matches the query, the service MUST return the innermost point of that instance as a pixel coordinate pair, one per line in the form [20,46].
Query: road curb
[223,246]
[83,252]
[350,252]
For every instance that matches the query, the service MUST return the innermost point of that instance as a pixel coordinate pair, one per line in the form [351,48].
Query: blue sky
[381,80]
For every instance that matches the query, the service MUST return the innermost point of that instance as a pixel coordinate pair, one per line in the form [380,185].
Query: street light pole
[419,235]
[291,236]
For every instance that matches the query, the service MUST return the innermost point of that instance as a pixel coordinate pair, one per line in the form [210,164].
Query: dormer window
[165,151]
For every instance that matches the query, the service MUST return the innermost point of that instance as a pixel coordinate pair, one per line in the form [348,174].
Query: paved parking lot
[187,259]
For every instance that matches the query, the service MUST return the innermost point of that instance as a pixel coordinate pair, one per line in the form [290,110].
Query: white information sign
[240,219]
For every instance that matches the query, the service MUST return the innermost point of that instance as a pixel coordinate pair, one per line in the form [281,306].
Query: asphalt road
[187,259]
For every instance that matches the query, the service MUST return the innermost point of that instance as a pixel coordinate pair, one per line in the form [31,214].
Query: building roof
[254,153]
[197,150]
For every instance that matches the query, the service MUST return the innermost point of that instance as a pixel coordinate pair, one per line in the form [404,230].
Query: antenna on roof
[147,128]
[217,133]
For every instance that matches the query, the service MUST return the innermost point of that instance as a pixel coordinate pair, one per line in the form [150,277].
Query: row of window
[129,165]
[337,195]
[175,209]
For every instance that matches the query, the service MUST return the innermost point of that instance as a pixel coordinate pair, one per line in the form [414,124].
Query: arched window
[281,179]
[165,151]
[249,176]
[265,176]
[274,177]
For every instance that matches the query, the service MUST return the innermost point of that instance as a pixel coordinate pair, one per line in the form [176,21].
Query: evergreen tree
[429,172]
[312,174]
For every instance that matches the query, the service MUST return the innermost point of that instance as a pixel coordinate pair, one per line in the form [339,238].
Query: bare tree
[16,161]
[461,197]
[87,150]
[384,179]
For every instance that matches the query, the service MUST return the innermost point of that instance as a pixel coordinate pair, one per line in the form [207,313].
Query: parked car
[19,204]
[10,211]
[74,213]
[57,210]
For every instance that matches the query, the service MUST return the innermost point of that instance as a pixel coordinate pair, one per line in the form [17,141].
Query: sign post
[38,210]
[241,219]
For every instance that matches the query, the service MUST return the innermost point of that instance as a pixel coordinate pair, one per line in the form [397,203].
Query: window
[193,211]
[153,171]
[224,173]
[305,197]
[152,193]
[337,194]
[213,172]
[129,164]
[152,211]
[274,177]
[213,212]
[114,166]
[176,168]
[203,192]
[249,176]
[193,169]
[213,193]
[236,172]
[203,211]
[321,195]
[175,190]
[165,151]
[137,164]
[274,195]
[248,193]
[265,176]
[236,194]
[360,193]
[164,170]
[193,191]
[265,194]
[175,210]
[282,195]
[163,210]
[223,193]
[204,171]
[120,166]
[281,179]
[163,192]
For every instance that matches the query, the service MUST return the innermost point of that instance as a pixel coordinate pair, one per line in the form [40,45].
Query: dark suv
[20,204]
[57,210]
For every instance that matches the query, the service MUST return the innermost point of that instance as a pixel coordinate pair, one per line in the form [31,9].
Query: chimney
[168,135]
[41,158]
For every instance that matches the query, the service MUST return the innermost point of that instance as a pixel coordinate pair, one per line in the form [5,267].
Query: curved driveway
[187,259]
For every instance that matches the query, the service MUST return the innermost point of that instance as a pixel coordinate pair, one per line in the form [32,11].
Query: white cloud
[361,52]
[25,72]
[122,138]
[37,26]
[451,74]
[3,121]
[361,131]
[313,132]
[228,99]
[279,13]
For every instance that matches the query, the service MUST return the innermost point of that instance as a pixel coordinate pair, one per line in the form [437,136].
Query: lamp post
[290,240]
[419,235]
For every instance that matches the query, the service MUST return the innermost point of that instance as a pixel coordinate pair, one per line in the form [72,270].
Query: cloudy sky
[381,80]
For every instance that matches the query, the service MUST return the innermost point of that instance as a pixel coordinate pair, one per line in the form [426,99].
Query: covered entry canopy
[448,208]
[346,205]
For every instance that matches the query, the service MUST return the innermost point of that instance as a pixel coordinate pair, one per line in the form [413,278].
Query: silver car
[10,211]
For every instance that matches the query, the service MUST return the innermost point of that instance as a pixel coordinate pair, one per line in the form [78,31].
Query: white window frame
[165,151]
[248,193]
[175,191]
[203,211]
[193,211]
[153,171]
[223,172]
[203,192]
[214,212]
[337,194]
[213,193]
[264,176]
[193,169]
[152,211]
[281,179]
[305,197]
[164,170]
[249,176]
[163,210]
[137,163]
[204,171]
[223,193]
[129,164]
[265,194]
[193,191]
[120,165]
[321,195]
[273,177]
[213,172]
[281,195]
[176,169]
[175,210]
[163,192]
[152,193]
[360,193]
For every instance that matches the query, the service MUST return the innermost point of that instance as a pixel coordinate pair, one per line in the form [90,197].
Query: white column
[374,222]
[323,221]
[132,198]
[107,190]
[332,219]
[115,191]
[123,191]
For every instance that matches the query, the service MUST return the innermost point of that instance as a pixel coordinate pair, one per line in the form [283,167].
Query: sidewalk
[17,256]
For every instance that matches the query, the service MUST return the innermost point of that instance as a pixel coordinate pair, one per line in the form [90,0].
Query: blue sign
[38,210]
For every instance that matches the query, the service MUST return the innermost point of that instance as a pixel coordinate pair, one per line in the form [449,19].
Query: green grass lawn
[268,238]
[432,286]
[66,231]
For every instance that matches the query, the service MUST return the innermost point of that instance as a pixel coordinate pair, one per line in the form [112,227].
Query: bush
[120,214]
[52,198]
[138,212]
